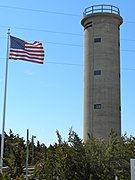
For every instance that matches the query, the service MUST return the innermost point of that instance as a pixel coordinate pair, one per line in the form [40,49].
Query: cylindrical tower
[102,106]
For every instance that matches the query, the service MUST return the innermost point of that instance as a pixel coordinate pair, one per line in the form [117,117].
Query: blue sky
[44,98]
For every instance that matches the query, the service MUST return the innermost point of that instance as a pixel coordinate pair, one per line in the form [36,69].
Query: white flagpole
[27,154]
[4,107]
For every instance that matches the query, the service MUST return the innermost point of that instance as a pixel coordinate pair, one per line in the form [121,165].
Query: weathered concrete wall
[103,89]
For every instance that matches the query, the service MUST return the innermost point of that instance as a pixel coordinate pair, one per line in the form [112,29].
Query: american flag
[22,50]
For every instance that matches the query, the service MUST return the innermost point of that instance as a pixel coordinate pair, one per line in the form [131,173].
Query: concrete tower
[102,106]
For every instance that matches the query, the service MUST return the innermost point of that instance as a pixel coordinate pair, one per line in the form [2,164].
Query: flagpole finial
[8,31]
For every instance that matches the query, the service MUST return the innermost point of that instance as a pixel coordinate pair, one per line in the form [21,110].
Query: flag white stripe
[30,45]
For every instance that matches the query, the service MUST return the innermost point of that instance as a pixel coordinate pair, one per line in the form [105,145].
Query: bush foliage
[72,159]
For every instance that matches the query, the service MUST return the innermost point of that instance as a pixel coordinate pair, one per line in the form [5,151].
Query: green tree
[14,154]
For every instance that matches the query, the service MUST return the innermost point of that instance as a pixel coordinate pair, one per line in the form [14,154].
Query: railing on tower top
[101,9]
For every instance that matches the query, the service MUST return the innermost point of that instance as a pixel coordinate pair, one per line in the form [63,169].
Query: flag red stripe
[35,61]
[36,50]
[27,52]
[33,47]
[36,42]
[26,56]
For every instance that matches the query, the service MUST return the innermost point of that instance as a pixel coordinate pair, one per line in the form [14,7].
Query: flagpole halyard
[4,106]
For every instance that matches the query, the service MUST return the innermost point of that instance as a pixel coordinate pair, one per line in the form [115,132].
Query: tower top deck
[101,9]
